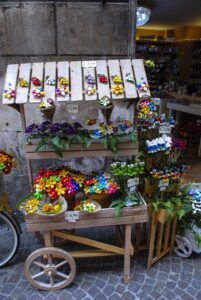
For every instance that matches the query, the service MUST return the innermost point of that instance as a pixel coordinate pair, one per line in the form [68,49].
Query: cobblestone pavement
[101,279]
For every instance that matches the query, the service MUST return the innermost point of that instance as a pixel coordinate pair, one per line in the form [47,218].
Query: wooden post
[127,253]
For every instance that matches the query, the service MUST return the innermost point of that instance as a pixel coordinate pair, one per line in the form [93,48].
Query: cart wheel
[182,246]
[50,269]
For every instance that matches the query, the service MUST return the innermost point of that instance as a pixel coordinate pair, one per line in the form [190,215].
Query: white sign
[133,181]
[165,128]
[89,64]
[72,216]
[72,108]
[163,182]
[132,188]
[156,101]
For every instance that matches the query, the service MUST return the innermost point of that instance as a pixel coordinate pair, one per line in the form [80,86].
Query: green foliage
[197,239]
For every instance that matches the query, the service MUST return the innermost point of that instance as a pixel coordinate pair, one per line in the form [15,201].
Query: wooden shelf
[77,150]
[194,110]
[105,217]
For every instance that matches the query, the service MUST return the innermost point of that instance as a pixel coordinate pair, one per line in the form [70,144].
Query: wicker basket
[107,111]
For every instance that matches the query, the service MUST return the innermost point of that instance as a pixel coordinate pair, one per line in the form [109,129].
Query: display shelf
[77,150]
[165,57]
[195,74]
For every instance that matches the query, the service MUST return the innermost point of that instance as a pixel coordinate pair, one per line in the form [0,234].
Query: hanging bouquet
[7,162]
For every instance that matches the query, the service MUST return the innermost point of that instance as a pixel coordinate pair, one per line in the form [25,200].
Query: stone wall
[33,32]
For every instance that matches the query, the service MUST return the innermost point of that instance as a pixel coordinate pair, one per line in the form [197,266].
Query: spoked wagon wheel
[182,246]
[50,269]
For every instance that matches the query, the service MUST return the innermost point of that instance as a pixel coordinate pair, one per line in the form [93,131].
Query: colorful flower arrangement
[100,184]
[38,93]
[142,86]
[163,143]
[195,196]
[86,205]
[9,93]
[7,162]
[55,183]
[58,136]
[130,169]
[178,144]
[173,172]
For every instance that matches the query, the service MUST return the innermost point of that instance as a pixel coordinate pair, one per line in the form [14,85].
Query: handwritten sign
[165,129]
[163,182]
[72,108]
[133,182]
[72,216]
[89,64]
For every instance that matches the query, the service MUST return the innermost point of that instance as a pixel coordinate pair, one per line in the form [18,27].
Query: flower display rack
[75,72]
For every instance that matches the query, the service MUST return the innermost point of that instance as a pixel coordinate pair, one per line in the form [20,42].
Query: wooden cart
[50,260]
[54,259]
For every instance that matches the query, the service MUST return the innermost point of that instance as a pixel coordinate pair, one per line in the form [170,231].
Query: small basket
[107,111]
[48,113]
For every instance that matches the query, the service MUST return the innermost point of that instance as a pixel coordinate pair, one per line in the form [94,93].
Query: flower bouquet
[31,205]
[7,162]
[47,107]
[100,187]
[106,107]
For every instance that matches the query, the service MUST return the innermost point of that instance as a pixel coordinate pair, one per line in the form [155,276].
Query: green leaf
[133,137]
[42,146]
[88,142]
[57,142]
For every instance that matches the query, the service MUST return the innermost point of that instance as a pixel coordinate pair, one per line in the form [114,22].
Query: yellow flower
[60,189]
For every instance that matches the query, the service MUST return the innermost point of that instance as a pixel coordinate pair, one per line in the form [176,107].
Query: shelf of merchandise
[165,56]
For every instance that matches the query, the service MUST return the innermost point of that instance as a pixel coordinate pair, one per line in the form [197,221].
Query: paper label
[163,183]
[89,64]
[165,129]
[133,181]
[72,216]
[72,108]
[156,101]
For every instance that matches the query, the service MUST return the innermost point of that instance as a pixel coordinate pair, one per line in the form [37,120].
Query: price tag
[163,183]
[72,108]
[133,182]
[165,128]
[89,64]
[156,101]
[72,216]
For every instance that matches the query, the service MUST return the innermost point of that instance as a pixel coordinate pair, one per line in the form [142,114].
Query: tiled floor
[100,279]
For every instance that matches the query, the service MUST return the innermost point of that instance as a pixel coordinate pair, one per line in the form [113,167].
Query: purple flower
[31,128]
[55,128]
[71,130]
[44,126]
[77,125]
